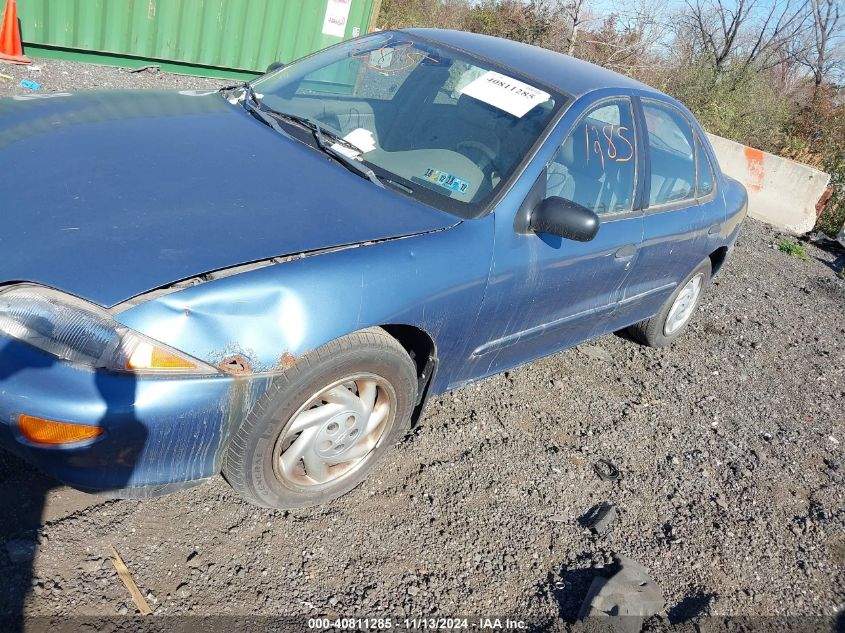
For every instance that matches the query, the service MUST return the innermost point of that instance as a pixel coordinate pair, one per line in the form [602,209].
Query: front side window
[672,154]
[433,123]
[596,165]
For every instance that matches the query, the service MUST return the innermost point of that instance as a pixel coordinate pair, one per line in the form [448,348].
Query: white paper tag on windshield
[361,138]
[506,93]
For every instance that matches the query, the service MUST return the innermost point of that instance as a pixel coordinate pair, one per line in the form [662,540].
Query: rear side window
[596,165]
[704,170]
[672,153]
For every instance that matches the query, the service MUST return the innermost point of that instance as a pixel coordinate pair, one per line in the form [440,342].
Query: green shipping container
[208,37]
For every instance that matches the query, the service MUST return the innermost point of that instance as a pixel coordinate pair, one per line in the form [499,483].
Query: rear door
[679,203]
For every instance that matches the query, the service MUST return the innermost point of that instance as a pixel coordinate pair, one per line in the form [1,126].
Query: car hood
[107,195]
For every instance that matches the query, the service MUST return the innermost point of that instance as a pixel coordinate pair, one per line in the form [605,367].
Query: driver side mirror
[564,218]
[274,66]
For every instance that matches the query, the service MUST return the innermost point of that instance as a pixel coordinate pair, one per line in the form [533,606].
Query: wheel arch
[422,349]
[717,258]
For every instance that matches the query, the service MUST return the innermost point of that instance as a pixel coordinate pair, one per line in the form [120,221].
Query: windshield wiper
[259,113]
[253,105]
[320,134]
[249,91]
[315,127]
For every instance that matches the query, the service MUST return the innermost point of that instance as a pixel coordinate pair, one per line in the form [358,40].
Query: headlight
[83,333]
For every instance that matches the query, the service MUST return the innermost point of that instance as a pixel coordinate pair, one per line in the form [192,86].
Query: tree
[397,14]
[825,34]
[745,32]
[575,18]
[533,22]
[627,39]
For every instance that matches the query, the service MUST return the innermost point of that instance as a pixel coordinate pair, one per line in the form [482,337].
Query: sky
[603,7]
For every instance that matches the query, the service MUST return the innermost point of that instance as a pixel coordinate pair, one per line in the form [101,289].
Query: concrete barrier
[781,192]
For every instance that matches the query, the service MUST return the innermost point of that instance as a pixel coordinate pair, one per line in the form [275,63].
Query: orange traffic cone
[11,49]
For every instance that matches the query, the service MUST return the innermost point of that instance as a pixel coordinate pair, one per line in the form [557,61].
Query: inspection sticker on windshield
[506,93]
[446,180]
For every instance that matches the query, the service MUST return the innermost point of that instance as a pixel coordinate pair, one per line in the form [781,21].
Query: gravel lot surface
[731,444]
[60,76]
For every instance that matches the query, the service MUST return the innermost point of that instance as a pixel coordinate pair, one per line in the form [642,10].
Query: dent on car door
[547,293]
[681,201]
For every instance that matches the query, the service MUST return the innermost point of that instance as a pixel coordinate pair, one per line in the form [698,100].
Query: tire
[660,330]
[291,450]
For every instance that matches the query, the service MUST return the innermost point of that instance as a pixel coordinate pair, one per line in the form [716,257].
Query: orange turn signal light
[146,356]
[43,431]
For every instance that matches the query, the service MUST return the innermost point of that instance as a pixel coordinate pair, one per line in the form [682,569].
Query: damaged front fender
[240,328]
[262,319]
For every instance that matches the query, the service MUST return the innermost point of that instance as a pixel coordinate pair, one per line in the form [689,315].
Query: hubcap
[684,304]
[335,432]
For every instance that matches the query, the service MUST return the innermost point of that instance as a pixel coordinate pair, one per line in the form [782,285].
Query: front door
[546,293]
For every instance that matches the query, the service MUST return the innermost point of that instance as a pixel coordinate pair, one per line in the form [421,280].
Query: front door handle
[626,252]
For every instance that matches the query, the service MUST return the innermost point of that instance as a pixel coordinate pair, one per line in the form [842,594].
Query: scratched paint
[463,285]
[273,314]
[755,161]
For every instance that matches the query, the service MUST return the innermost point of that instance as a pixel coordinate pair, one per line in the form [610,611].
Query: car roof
[567,74]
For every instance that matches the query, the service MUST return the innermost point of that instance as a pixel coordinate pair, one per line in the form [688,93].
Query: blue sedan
[270,280]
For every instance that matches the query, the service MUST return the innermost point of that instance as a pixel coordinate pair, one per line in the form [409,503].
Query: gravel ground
[61,76]
[730,443]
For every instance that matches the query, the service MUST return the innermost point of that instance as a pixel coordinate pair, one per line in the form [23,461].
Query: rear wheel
[668,324]
[324,424]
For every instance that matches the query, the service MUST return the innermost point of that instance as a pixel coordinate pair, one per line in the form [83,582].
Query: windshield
[441,126]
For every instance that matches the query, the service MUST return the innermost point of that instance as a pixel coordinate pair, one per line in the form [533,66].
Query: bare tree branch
[575,16]
[818,54]
[746,32]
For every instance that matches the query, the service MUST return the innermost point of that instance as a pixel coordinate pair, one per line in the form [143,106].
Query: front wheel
[665,326]
[323,425]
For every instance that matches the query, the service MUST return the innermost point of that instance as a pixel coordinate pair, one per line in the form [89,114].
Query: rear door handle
[626,252]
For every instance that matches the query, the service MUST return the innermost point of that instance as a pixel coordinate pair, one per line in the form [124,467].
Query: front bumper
[158,432]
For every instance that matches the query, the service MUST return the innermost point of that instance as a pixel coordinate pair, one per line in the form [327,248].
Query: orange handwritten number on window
[587,141]
[597,148]
[609,132]
[627,142]
[596,144]
[611,148]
